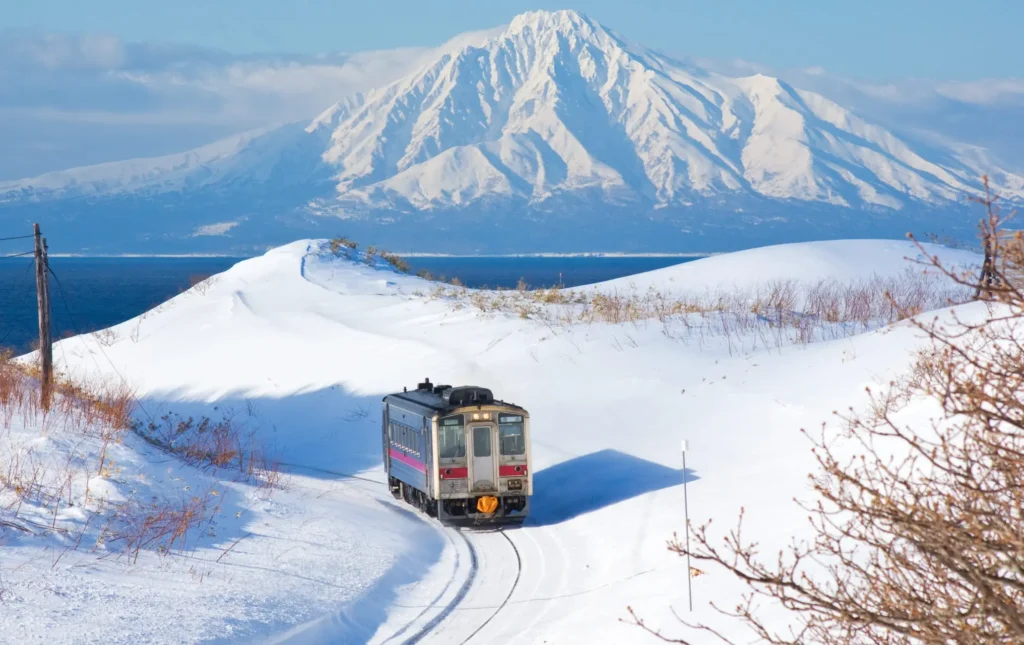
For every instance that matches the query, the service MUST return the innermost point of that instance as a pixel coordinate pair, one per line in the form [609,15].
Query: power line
[10,330]
[17,255]
[16,237]
[99,345]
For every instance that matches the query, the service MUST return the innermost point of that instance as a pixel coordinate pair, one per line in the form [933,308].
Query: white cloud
[985,92]
[70,82]
[220,228]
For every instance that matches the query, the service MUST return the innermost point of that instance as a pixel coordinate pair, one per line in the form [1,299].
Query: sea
[87,294]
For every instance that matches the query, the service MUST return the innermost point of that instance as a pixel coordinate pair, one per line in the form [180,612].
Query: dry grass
[207,443]
[76,407]
[772,314]
[160,526]
[201,283]
[344,247]
[30,476]
[339,244]
[41,480]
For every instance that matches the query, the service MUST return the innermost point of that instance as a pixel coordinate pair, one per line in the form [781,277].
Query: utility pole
[43,297]
[686,512]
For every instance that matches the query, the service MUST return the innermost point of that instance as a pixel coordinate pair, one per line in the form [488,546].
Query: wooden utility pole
[43,297]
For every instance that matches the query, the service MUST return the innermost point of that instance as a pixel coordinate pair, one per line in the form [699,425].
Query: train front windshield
[451,438]
[511,434]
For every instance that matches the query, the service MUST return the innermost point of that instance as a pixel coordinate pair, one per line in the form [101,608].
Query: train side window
[513,439]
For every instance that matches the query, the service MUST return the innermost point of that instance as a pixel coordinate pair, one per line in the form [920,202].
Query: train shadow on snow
[591,482]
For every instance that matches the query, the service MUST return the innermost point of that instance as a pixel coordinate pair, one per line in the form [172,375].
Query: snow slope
[841,261]
[306,343]
[553,118]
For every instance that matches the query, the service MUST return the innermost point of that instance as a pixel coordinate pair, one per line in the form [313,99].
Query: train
[458,454]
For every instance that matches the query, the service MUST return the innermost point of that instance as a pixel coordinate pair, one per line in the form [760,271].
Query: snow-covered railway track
[486,588]
[455,601]
[515,583]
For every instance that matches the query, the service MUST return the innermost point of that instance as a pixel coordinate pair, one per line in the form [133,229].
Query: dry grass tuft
[160,525]
[776,313]
[339,244]
[205,443]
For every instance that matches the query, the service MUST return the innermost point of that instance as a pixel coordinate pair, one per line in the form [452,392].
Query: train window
[451,443]
[513,439]
[481,441]
[451,438]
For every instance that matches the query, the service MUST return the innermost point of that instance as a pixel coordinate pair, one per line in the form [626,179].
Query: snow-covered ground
[299,346]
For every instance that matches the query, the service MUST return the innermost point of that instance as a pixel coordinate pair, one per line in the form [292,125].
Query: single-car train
[458,454]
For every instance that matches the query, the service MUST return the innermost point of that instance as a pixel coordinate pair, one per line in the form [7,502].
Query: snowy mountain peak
[555,104]
[555,112]
[564,20]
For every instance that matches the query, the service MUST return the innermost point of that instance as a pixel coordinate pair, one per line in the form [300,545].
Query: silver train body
[458,454]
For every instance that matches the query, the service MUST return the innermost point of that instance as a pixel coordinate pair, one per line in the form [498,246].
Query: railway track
[454,605]
[425,631]
[515,583]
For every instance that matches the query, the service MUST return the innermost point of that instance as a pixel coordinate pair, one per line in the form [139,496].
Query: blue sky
[869,39]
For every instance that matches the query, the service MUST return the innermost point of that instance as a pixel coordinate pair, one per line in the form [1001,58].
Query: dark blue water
[100,292]
[97,292]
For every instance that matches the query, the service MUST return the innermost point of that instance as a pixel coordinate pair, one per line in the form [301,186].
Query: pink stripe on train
[398,455]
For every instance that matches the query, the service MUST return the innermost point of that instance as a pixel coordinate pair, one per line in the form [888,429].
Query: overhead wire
[74,322]
[10,330]
[16,237]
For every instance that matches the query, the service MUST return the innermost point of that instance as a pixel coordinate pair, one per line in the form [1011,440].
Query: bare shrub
[771,314]
[398,263]
[204,442]
[161,525]
[339,244]
[105,337]
[201,283]
[918,533]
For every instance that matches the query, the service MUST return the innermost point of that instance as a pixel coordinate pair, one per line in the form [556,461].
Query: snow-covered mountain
[552,128]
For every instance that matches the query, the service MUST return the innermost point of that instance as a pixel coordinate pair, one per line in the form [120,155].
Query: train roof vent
[468,395]
[439,389]
[425,385]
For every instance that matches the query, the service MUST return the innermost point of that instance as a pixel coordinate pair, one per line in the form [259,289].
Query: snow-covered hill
[549,124]
[299,345]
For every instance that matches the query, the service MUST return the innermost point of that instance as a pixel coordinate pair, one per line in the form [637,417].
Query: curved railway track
[454,604]
[515,583]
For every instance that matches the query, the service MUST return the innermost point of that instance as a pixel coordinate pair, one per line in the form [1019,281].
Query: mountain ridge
[553,111]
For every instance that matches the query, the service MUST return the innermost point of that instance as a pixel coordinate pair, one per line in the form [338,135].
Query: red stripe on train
[454,473]
[512,471]
[398,455]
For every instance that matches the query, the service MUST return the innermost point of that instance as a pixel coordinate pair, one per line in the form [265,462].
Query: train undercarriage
[465,511]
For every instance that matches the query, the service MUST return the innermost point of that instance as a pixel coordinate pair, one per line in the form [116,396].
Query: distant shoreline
[401,255]
[556,255]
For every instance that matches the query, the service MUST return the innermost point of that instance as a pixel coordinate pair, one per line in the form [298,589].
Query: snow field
[302,344]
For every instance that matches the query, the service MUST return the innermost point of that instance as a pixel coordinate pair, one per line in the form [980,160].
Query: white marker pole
[686,512]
